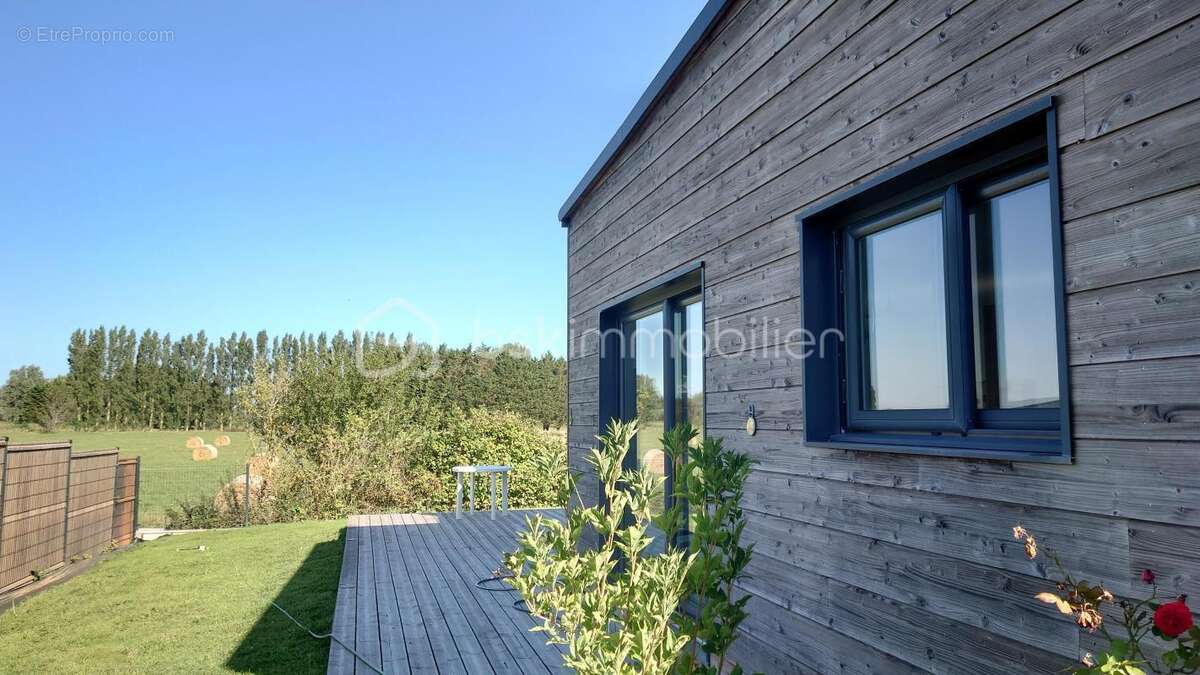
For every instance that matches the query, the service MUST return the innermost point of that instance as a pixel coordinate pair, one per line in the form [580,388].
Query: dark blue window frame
[666,294]
[1018,149]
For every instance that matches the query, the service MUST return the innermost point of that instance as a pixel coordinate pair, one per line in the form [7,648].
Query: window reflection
[649,374]
[904,316]
[689,379]
[689,368]
[1016,353]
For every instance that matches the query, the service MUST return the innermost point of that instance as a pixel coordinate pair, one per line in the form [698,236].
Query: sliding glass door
[663,379]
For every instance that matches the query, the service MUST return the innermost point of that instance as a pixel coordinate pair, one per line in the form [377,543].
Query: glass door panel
[689,375]
[649,394]
[689,365]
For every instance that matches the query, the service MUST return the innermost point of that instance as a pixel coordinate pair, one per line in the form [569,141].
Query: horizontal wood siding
[872,562]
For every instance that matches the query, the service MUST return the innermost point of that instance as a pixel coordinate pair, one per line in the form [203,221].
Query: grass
[156,609]
[168,472]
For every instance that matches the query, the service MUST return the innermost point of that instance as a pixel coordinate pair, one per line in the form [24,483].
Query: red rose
[1147,576]
[1173,618]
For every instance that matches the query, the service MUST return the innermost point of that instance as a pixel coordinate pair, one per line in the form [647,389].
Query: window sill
[1003,448]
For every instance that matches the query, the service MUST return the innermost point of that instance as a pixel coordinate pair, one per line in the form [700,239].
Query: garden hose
[331,636]
[486,584]
[483,583]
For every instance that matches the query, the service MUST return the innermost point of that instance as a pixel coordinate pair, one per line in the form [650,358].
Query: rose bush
[1133,654]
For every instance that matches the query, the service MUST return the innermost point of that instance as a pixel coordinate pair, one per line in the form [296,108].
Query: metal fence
[191,497]
[56,505]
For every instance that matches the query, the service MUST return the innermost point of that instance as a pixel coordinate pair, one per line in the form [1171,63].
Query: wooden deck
[408,603]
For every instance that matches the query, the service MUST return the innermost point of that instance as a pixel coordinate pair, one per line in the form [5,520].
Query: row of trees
[118,379]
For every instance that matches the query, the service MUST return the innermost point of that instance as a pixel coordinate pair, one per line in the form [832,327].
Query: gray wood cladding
[875,562]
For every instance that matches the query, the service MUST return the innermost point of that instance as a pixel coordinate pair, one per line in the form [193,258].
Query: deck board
[417,647]
[341,661]
[477,548]
[391,629]
[407,600]
[501,536]
[366,634]
[446,556]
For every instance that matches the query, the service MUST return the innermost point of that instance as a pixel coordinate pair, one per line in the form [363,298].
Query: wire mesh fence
[198,496]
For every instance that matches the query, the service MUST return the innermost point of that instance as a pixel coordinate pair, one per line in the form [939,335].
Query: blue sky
[295,166]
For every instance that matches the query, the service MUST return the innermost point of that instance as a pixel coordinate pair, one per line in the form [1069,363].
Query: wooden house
[946,257]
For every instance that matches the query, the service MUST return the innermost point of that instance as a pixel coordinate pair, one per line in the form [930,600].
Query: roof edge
[696,33]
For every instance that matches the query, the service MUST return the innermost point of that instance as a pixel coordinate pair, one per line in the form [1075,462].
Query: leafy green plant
[710,479]
[552,470]
[382,445]
[612,605]
[200,512]
[1135,653]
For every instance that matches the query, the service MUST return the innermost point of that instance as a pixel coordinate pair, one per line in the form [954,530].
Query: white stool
[470,470]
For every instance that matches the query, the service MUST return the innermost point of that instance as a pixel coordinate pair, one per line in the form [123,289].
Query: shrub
[361,467]
[484,436]
[613,606]
[711,479]
[224,509]
[343,445]
[1176,649]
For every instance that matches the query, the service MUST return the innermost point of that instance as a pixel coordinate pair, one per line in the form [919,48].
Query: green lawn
[156,609]
[168,472]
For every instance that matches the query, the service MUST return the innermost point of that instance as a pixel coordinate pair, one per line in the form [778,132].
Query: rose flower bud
[1147,576]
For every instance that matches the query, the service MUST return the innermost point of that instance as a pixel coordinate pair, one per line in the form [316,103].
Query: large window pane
[1016,351]
[649,371]
[904,316]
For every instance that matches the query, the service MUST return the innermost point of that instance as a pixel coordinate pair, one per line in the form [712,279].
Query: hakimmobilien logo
[92,35]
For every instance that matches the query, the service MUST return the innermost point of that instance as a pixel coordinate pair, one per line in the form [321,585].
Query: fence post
[3,493]
[246,518]
[137,495]
[66,501]
[115,491]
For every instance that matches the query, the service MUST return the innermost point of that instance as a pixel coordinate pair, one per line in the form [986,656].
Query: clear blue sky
[293,166]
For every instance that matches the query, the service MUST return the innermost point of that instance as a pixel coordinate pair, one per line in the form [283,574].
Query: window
[944,281]
[1013,294]
[652,366]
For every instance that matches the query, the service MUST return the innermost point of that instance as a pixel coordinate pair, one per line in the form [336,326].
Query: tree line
[120,380]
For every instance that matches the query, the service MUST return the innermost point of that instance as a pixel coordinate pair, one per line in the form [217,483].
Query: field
[158,609]
[168,472]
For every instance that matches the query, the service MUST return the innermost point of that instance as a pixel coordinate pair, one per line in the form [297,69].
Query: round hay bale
[233,495]
[222,441]
[655,461]
[194,442]
[204,453]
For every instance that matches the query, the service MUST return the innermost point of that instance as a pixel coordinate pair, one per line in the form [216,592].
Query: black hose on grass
[331,636]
